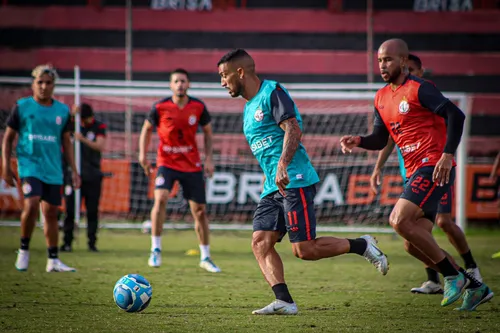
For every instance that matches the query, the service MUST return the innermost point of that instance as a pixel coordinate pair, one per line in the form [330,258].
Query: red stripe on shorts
[428,195]
[306,214]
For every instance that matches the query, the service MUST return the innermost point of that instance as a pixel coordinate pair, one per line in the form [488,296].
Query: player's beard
[238,89]
[394,76]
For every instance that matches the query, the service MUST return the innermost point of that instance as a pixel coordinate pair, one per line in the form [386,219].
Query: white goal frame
[79,87]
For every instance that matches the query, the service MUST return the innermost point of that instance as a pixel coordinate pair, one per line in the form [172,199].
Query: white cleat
[374,255]
[56,265]
[208,265]
[278,307]
[23,259]
[155,258]
[475,273]
[428,288]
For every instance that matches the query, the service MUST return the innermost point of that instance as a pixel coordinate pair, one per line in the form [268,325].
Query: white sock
[155,243]
[204,251]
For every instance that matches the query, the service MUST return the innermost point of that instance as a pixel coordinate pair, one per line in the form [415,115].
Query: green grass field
[344,294]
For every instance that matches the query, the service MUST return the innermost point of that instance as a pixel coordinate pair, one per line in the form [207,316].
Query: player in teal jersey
[443,218]
[42,126]
[273,128]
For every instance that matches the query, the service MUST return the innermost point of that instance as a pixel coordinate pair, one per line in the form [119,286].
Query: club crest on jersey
[192,120]
[58,120]
[259,115]
[91,136]
[404,107]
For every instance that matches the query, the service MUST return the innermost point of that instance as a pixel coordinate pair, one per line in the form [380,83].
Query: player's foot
[429,288]
[92,248]
[23,259]
[209,265]
[277,307]
[474,297]
[495,255]
[65,248]
[374,255]
[56,265]
[155,258]
[453,287]
[475,273]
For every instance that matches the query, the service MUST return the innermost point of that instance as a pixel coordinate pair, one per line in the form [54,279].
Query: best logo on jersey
[404,107]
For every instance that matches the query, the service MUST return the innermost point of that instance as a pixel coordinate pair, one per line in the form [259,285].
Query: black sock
[52,251]
[446,267]
[25,243]
[469,260]
[357,246]
[473,282]
[282,293]
[432,275]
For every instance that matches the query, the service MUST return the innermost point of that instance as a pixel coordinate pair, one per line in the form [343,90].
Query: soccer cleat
[278,307]
[23,259]
[374,255]
[209,265]
[428,288]
[475,273]
[65,248]
[56,265]
[155,258]
[453,287]
[474,297]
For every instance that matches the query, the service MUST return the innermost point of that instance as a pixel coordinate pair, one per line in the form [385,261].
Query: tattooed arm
[284,114]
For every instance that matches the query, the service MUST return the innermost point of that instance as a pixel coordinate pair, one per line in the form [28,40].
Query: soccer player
[493,177]
[273,128]
[177,119]
[42,125]
[410,110]
[443,217]
[93,138]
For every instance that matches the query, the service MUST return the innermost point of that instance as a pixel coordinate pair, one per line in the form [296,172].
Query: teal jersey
[261,118]
[401,161]
[39,146]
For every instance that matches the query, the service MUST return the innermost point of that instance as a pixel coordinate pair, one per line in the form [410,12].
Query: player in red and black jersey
[410,109]
[178,160]
[444,218]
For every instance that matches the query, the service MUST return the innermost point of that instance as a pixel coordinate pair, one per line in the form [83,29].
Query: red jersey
[177,129]
[410,114]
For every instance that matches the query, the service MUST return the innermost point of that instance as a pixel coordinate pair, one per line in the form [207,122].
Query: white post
[77,192]
[461,174]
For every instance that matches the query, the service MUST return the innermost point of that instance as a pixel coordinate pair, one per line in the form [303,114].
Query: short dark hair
[233,55]
[86,111]
[416,59]
[180,71]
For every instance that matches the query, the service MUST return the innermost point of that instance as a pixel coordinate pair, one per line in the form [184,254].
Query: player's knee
[261,244]
[444,222]
[161,200]
[31,207]
[305,251]
[400,222]
[199,213]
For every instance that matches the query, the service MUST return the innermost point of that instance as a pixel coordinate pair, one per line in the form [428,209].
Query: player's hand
[282,179]
[375,180]
[209,168]
[75,109]
[146,166]
[8,176]
[442,170]
[348,142]
[75,178]
[78,136]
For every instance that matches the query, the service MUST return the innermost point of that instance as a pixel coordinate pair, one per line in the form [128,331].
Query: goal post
[343,201]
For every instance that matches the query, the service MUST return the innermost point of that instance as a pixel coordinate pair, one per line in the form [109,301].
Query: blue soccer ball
[132,293]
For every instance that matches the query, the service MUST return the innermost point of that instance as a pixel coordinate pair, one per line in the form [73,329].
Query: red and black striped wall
[461,53]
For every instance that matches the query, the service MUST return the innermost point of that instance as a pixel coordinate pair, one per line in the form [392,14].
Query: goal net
[344,200]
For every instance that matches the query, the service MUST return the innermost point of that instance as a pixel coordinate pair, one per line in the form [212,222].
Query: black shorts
[193,183]
[293,214]
[423,192]
[34,187]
